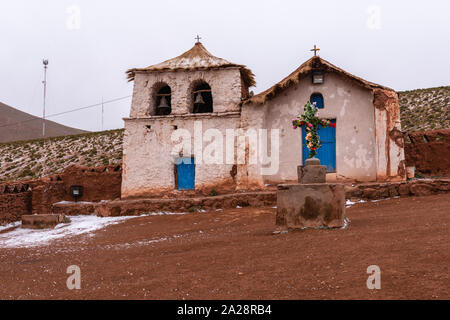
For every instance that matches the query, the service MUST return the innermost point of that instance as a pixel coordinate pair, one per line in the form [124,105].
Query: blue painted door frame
[185,173]
[327,152]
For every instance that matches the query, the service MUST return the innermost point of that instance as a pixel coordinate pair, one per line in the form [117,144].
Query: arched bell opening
[162,99]
[202,100]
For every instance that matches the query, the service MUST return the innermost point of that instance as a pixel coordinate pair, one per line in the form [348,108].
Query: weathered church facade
[194,127]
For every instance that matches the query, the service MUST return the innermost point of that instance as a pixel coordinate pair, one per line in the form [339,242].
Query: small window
[318,99]
[163,100]
[202,98]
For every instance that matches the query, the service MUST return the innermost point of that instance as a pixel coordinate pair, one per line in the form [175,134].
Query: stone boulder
[41,221]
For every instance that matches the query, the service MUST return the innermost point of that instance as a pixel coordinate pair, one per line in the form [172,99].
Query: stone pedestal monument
[311,203]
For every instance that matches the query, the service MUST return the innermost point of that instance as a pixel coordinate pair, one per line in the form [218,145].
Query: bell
[163,107]
[163,103]
[199,99]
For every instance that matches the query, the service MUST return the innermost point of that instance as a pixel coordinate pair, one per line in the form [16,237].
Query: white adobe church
[196,92]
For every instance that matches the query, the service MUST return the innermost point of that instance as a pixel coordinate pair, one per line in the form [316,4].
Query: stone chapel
[205,98]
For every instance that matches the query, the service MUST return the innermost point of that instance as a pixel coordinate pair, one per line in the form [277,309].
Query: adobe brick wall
[99,183]
[429,152]
[38,196]
[15,201]
[45,193]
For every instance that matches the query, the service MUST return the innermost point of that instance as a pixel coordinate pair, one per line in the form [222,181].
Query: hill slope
[425,109]
[16,125]
[421,109]
[38,158]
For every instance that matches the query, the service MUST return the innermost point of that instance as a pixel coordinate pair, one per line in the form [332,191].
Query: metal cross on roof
[198,38]
[315,50]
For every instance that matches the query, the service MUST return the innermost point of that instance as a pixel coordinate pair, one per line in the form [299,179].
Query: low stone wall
[368,191]
[47,195]
[141,206]
[429,152]
[15,201]
[375,191]
[74,208]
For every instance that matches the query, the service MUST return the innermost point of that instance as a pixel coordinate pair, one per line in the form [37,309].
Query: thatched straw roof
[197,58]
[314,64]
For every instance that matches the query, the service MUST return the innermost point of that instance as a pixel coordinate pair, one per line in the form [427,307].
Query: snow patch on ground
[79,225]
[349,203]
[73,202]
[10,225]
[164,213]
[141,242]
[346,223]
[384,199]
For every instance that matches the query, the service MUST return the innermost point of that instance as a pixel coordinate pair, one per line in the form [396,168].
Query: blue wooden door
[185,173]
[327,152]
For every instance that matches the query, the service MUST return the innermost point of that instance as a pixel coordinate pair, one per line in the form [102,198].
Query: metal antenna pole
[102,113]
[45,62]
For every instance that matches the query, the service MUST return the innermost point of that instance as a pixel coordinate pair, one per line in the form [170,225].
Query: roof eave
[314,64]
[246,74]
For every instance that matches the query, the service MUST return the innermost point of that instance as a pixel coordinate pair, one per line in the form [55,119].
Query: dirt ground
[233,254]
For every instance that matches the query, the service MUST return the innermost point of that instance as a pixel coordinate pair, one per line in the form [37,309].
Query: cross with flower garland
[312,123]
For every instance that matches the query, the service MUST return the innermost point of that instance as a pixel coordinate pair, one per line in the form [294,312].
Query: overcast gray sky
[90,45]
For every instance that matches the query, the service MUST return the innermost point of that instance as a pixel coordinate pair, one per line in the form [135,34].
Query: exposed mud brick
[45,194]
[428,151]
[381,98]
[14,205]
[99,183]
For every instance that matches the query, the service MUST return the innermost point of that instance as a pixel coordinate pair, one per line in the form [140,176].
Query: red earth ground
[233,254]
